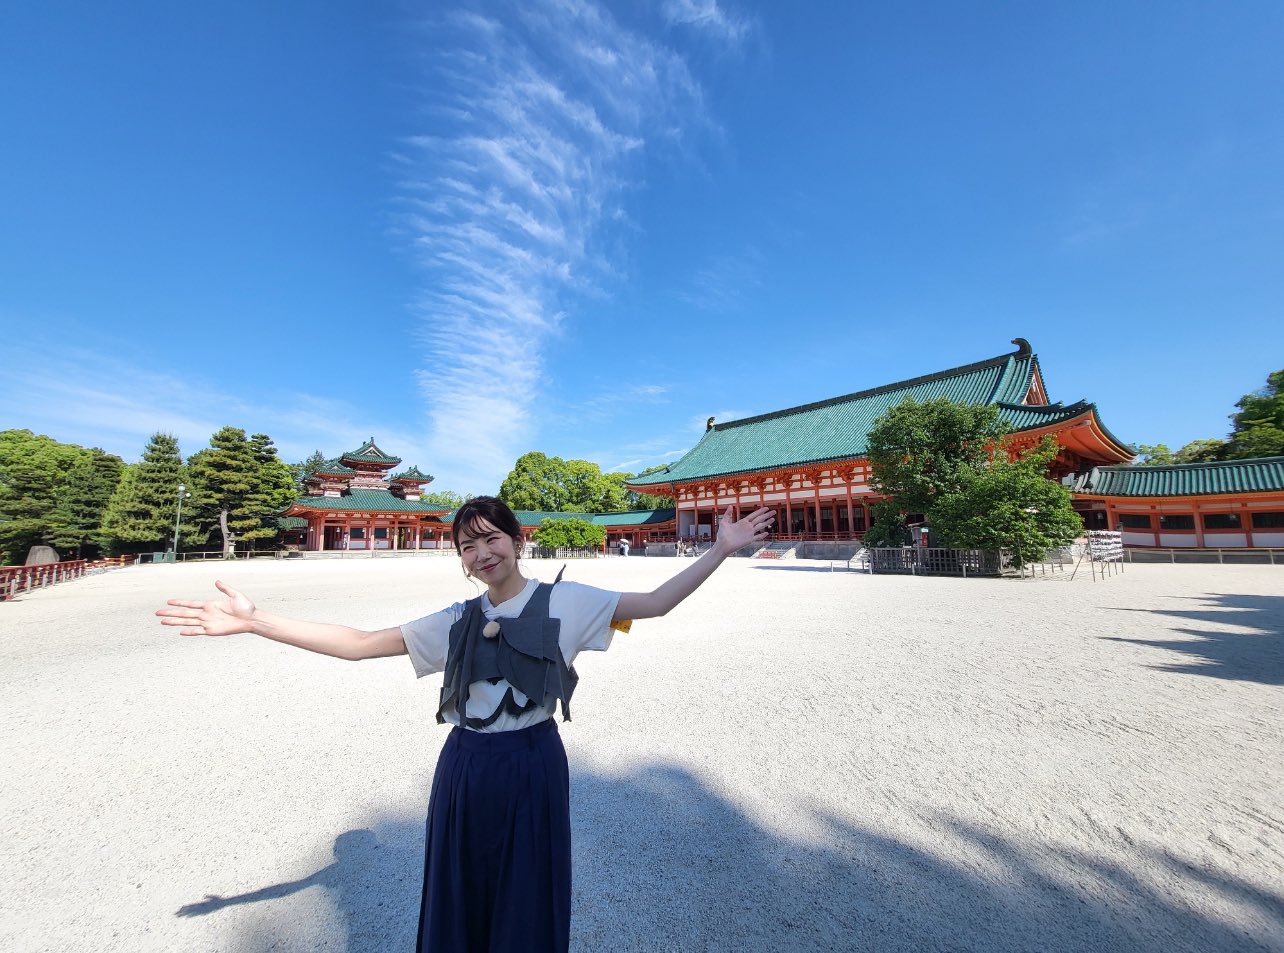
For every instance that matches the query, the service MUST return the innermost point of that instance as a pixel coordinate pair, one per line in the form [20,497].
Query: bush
[570,534]
[1008,505]
[888,528]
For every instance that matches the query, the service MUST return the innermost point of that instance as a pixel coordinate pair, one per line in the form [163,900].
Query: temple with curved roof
[810,463]
[352,503]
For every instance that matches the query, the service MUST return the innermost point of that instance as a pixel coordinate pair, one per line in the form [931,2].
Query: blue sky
[471,230]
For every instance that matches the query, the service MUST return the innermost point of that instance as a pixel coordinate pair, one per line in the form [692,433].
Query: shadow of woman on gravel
[663,862]
[1255,656]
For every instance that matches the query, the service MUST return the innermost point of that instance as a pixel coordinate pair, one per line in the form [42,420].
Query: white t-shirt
[585,613]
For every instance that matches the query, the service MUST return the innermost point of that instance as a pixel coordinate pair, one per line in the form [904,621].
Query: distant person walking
[624,547]
[497,871]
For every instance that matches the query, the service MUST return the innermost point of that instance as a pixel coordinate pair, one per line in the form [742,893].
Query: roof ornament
[1023,347]
[708,424]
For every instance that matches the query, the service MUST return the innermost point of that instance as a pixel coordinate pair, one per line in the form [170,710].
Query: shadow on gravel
[1255,656]
[664,863]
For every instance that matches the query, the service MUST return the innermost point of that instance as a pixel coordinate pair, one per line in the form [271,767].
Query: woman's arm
[237,614]
[732,535]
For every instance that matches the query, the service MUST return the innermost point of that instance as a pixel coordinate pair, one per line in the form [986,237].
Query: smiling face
[488,538]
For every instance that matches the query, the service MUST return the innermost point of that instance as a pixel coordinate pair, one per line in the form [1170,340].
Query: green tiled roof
[366,501]
[335,468]
[1187,479]
[413,475]
[838,428]
[634,518]
[369,453]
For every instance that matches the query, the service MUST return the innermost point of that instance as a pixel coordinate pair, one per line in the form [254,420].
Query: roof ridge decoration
[1023,350]
[368,452]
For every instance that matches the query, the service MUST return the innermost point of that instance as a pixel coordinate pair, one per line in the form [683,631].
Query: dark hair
[491,509]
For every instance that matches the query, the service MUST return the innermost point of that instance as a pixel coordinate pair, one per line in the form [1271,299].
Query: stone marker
[42,556]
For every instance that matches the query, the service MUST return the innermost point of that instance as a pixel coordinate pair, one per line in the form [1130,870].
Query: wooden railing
[17,579]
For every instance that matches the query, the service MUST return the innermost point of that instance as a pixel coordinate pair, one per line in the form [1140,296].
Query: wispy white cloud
[539,120]
[95,399]
[709,16]
[725,283]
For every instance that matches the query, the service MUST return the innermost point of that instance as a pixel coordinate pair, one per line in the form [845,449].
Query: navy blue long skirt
[497,870]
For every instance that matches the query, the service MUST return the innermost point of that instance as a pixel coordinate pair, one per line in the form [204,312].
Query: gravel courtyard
[795,759]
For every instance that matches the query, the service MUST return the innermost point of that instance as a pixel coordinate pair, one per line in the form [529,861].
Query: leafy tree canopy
[1009,504]
[920,451]
[1153,455]
[551,484]
[570,534]
[1201,451]
[646,501]
[1259,424]
[52,493]
[446,498]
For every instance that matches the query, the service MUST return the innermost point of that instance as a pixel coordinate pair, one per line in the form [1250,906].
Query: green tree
[1201,451]
[273,489]
[919,451]
[82,504]
[1009,504]
[889,527]
[446,498]
[301,471]
[50,494]
[140,514]
[570,534]
[551,484]
[1259,424]
[647,501]
[225,488]
[1153,455]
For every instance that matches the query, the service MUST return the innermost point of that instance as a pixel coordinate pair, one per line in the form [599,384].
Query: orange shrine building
[810,463]
[354,503]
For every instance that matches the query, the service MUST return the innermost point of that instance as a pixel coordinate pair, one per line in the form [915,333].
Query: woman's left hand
[753,528]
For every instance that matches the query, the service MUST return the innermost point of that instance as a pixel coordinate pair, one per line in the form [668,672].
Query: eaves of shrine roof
[632,518]
[334,468]
[362,501]
[838,428]
[369,453]
[1261,475]
[635,518]
[413,475]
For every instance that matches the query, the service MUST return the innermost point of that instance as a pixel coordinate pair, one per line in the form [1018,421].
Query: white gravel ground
[796,759]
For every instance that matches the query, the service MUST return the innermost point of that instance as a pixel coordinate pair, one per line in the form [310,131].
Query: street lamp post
[178,514]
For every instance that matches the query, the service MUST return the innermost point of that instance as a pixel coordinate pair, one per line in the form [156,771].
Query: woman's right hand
[228,616]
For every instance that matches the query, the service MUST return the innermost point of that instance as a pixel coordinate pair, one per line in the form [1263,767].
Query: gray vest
[526,653]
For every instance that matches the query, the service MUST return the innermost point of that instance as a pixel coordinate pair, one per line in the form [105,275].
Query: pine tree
[240,486]
[224,476]
[301,471]
[82,504]
[273,490]
[142,510]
